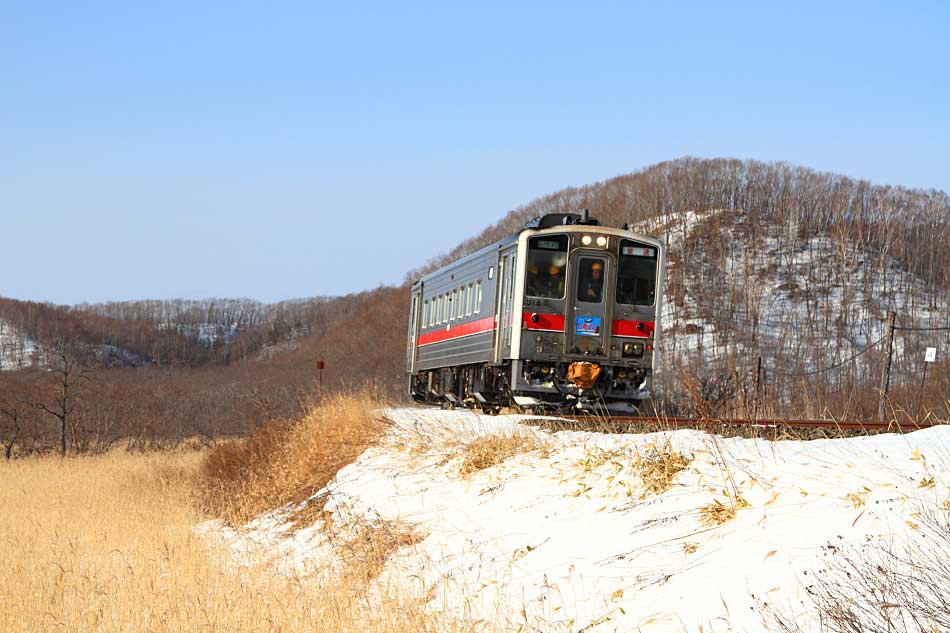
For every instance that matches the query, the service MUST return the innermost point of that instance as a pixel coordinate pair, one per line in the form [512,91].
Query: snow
[17,350]
[569,539]
[740,286]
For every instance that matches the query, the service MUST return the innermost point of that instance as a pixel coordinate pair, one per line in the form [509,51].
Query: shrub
[286,462]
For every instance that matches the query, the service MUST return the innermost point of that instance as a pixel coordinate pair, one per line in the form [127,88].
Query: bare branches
[882,588]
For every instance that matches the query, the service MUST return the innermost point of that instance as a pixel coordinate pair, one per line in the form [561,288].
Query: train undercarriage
[568,386]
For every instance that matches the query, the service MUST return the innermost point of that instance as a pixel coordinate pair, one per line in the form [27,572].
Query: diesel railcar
[563,314]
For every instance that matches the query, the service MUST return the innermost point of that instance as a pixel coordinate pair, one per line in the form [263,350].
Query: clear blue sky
[277,150]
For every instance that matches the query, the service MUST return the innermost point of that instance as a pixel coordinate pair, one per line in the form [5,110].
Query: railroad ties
[805,429]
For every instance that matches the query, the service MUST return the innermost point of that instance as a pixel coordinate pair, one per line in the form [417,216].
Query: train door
[505,284]
[414,324]
[588,313]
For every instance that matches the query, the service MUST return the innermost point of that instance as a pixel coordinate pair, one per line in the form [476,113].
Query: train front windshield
[636,274]
[547,263]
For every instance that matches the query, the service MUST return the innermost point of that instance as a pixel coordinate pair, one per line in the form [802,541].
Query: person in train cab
[534,281]
[555,281]
[593,285]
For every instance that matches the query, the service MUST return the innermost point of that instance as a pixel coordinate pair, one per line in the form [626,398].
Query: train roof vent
[560,219]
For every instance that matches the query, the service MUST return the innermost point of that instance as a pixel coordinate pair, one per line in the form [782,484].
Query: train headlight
[632,350]
[585,240]
[601,241]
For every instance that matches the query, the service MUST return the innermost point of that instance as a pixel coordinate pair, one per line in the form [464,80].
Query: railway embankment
[500,524]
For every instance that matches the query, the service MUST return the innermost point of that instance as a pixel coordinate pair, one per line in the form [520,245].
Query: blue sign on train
[587,326]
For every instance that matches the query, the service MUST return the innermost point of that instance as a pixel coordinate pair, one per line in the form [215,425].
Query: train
[562,315]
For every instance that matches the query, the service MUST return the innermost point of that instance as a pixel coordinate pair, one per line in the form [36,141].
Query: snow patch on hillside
[738,286]
[17,350]
[569,538]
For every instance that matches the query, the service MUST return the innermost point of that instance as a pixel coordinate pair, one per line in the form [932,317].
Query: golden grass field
[108,543]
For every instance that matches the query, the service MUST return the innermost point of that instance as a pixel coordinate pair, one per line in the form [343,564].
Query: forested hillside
[780,263]
[778,284]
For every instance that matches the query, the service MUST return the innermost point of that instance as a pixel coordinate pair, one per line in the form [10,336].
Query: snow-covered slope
[17,350]
[569,537]
[739,286]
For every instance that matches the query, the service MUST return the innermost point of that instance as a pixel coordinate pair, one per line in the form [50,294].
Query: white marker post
[930,356]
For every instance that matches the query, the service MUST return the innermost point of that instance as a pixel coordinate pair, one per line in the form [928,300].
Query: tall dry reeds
[286,462]
[108,544]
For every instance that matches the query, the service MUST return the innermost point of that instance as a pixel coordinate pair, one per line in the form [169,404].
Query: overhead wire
[825,369]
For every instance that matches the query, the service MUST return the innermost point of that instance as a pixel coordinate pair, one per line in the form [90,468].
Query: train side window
[460,308]
[468,300]
[445,308]
[491,272]
[425,312]
[636,274]
[547,264]
[478,296]
[452,306]
[438,310]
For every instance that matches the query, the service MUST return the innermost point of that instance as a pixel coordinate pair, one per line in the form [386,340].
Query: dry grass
[490,450]
[659,465]
[718,513]
[287,462]
[594,457]
[363,546]
[882,586]
[107,544]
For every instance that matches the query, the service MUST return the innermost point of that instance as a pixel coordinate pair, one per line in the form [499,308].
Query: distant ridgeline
[151,332]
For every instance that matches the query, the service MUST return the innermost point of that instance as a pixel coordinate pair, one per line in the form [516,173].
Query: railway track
[718,423]
[765,426]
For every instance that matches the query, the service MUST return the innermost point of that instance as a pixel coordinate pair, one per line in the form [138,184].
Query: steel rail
[759,423]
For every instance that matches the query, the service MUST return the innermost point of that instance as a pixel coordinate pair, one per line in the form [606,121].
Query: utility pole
[886,372]
[758,379]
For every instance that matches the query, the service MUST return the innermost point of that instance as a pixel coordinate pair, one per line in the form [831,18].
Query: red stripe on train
[629,328]
[545,322]
[458,331]
[555,323]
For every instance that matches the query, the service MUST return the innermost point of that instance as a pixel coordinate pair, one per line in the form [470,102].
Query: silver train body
[563,314]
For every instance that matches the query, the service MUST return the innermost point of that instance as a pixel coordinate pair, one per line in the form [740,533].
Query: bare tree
[13,415]
[16,391]
[66,364]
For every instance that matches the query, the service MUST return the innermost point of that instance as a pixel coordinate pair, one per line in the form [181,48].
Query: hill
[770,266]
